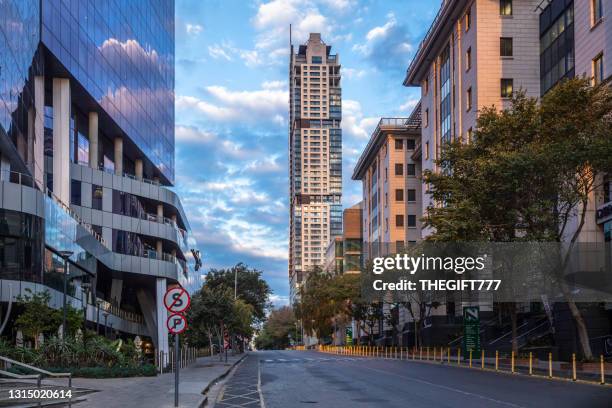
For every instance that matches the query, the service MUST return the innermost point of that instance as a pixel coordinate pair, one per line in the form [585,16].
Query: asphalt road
[307,378]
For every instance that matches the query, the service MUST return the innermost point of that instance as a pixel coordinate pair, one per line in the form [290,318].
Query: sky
[231,107]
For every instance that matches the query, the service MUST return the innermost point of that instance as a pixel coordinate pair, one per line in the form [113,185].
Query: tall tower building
[315,156]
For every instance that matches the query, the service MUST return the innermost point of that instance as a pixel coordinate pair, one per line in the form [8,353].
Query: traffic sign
[471,330]
[176,324]
[177,300]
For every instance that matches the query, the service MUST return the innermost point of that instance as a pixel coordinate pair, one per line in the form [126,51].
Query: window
[412,220]
[75,192]
[411,195]
[426,150]
[425,86]
[96,197]
[505,46]
[411,169]
[468,20]
[506,87]
[399,144]
[505,7]
[386,200]
[598,70]
[399,194]
[426,118]
[317,60]
[468,59]
[596,10]
[399,220]
[399,169]
[469,135]
[469,98]
[410,144]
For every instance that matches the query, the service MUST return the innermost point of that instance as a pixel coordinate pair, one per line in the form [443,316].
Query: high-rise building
[343,254]
[87,156]
[315,156]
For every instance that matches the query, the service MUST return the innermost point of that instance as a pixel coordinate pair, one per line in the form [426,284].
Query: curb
[217,379]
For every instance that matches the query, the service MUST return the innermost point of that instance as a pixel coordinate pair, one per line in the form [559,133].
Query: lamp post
[98,317]
[105,314]
[65,255]
[86,287]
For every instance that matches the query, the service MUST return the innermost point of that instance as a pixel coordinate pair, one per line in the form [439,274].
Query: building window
[399,169]
[386,200]
[506,87]
[96,197]
[399,220]
[412,221]
[596,10]
[425,86]
[469,135]
[469,98]
[468,59]
[399,144]
[399,194]
[426,118]
[598,73]
[411,168]
[505,46]
[75,192]
[426,150]
[505,7]
[410,144]
[468,20]
[411,195]
[317,60]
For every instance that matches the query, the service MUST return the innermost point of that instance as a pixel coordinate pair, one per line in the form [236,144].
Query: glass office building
[87,156]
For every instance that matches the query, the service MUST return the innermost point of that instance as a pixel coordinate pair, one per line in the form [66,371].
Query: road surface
[308,378]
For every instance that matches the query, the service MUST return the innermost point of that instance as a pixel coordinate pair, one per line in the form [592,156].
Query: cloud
[388,46]
[351,73]
[193,29]
[409,104]
[217,52]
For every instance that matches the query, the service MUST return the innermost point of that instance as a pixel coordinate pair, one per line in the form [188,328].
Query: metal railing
[114,309]
[7,362]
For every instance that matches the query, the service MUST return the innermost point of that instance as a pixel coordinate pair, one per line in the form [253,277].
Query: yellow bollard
[512,362]
[601,369]
[573,366]
[427,350]
[448,353]
[458,356]
[550,365]
[496,360]
[400,353]
[420,353]
[482,359]
[530,363]
[470,358]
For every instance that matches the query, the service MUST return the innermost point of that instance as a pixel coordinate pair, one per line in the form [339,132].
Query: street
[295,378]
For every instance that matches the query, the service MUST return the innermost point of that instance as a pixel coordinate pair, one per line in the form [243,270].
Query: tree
[276,331]
[38,318]
[251,288]
[209,308]
[529,171]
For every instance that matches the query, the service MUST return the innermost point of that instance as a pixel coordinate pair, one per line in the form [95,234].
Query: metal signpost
[177,301]
[471,330]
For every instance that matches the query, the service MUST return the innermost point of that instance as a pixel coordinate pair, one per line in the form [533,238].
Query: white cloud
[274,84]
[409,104]
[192,134]
[193,29]
[217,52]
[351,73]
[354,124]
[279,301]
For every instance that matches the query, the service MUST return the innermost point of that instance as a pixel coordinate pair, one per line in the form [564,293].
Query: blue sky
[232,108]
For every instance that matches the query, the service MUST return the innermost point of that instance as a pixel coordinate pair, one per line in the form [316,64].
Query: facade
[391,184]
[477,53]
[315,156]
[87,149]
[343,254]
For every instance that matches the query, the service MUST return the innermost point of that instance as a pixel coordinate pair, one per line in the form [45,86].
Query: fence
[165,362]
[525,364]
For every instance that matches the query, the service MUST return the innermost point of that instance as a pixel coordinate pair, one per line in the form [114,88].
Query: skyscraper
[87,156]
[315,156]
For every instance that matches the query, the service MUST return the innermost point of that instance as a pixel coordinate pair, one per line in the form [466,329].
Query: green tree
[529,170]
[276,331]
[209,308]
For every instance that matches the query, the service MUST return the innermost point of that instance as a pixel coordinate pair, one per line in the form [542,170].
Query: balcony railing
[28,181]
[130,176]
[114,309]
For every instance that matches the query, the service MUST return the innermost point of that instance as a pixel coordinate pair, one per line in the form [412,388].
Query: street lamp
[65,256]
[85,294]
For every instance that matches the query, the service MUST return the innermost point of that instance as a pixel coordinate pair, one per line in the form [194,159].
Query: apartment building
[343,254]
[87,159]
[315,156]
[391,185]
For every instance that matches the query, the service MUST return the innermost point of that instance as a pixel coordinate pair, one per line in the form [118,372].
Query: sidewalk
[157,392]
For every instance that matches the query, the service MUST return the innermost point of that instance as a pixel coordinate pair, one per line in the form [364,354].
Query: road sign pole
[176,370]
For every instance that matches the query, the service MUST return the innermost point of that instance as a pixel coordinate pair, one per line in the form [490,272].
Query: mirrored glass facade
[122,53]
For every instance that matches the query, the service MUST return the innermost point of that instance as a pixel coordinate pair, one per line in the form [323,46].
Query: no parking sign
[176,323]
